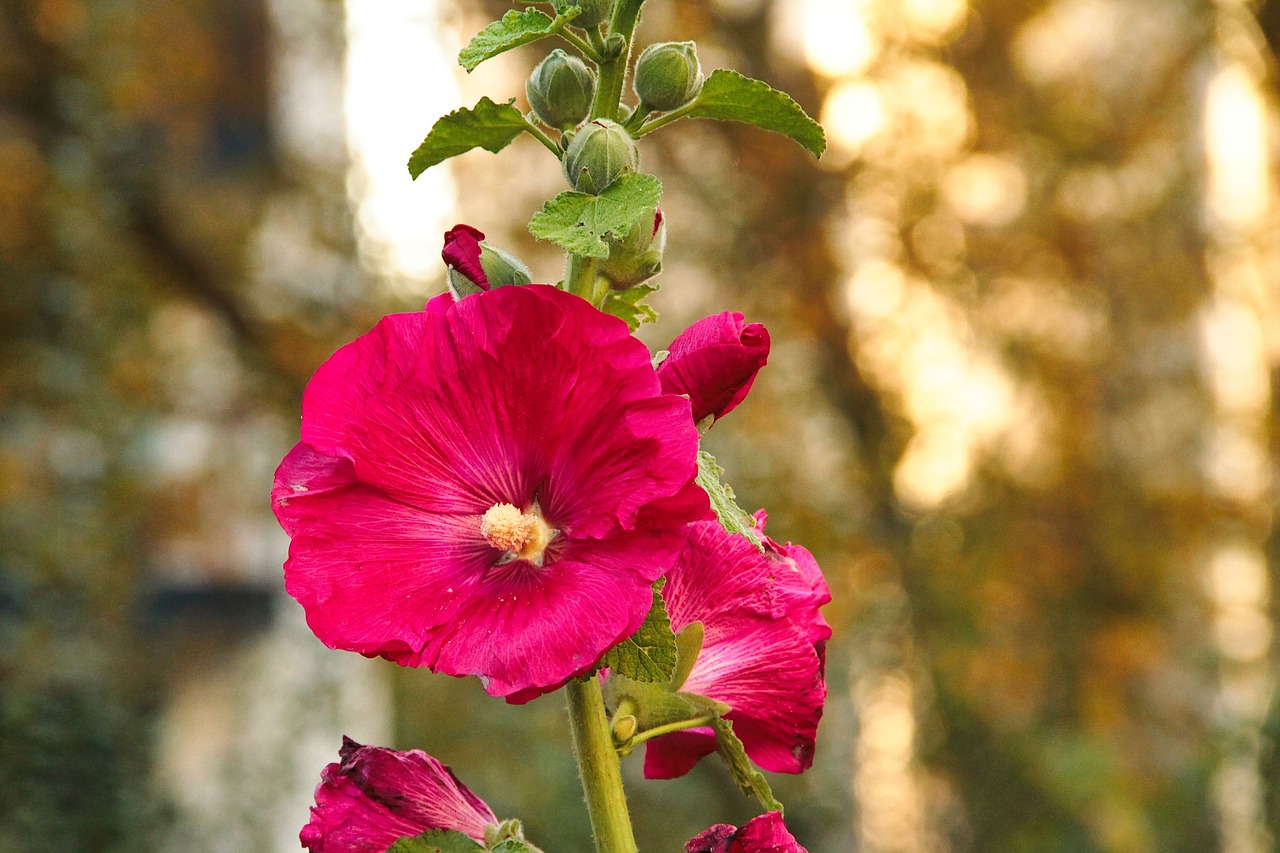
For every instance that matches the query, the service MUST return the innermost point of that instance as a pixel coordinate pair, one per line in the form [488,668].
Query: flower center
[521,535]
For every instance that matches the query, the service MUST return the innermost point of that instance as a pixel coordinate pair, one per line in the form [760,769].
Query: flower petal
[375,796]
[764,833]
[462,253]
[762,651]
[715,361]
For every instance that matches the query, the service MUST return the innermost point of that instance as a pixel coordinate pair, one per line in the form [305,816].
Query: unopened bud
[594,12]
[475,265]
[600,152]
[560,90]
[624,729]
[668,75]
[637,257]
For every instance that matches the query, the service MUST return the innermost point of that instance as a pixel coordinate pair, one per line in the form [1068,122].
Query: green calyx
[500,267]
[636,257]
[668,75]
[599,154]
[560,90]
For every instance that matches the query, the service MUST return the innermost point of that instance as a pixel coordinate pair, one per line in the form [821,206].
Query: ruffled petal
[762,651]
[715,362]
[764,833]
[374,575]
[536,628]
[374,796]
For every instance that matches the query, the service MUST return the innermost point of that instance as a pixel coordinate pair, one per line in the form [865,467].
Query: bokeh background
[1022,405]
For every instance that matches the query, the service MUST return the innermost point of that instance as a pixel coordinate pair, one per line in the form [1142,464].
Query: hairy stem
[580,277]
[613,72]
[598,767]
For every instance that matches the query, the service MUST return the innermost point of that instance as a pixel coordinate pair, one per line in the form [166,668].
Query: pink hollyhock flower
[715,361]
[764,833]
[762,653]
[487,487]
[374,796]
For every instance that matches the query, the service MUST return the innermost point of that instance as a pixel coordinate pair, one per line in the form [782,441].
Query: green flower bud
[594,12]
[668,75]
[501,267]
[637,257]
[560,90]
[600,152]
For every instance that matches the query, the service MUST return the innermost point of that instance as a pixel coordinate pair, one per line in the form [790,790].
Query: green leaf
[750,780]
[579,223]
[733,518]
[515,29]
[729,96]
[648,655]
[489,126]
[627,305]
[437,841]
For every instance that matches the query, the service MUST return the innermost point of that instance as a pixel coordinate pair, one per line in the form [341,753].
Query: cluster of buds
[596,151]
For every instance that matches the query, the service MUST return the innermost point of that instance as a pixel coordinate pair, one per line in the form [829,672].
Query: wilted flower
[764,833]
[715,361]
[374,796]
[487,487]
[762,653]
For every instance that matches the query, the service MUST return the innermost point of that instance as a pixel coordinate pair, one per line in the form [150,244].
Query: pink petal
[671,756]
[764,833]
[375,796]
[462,253]
[762,652]
[550,624]
[715,362]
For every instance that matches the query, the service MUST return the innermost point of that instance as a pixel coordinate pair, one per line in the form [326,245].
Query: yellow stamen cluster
[522,535]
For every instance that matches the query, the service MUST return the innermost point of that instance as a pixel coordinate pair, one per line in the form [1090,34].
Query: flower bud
[637,257]
[474,265]
[560,90]
[714,362]
[594,12]
[668,75]
[600,152]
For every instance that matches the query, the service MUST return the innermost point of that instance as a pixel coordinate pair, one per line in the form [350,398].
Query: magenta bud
[714,362]
[475,265]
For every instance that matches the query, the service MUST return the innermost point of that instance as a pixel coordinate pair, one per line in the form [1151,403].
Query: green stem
[636,119]
[599,768]
[538,134]
[658,731]
[665,118]
[580,277]
[613,72]
[590,51]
